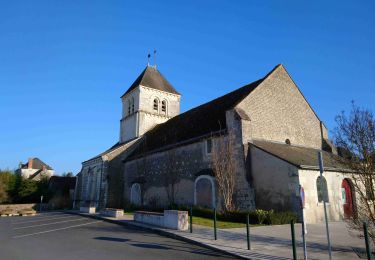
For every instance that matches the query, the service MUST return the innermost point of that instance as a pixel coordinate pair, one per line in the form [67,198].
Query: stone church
[276,133]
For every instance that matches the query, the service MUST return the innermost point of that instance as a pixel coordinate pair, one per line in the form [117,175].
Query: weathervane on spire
[149,58]
[155,58]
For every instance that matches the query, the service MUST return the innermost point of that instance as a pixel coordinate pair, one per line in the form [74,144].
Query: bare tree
[223,164]
[355,138]
[171,176]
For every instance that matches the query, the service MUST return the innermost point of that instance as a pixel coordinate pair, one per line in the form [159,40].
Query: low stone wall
[172,219]
[90,210]
[176,219]
[153,218]
[115,213]
[18,207]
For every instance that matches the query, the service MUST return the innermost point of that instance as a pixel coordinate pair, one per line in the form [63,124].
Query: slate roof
[301,157]
[199,121]
[37,164]
[117,146]
[152,78]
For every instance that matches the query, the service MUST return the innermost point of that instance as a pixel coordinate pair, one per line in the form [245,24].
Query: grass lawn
[208,222]
[220,224]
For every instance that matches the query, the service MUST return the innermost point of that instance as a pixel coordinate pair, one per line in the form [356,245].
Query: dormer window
[156,105]
[164,106]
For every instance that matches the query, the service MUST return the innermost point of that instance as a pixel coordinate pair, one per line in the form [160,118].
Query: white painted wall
[314,210]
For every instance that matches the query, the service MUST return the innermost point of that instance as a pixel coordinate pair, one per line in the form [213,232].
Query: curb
[159,232]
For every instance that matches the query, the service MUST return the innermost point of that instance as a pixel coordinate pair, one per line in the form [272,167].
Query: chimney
[44,168]
[30,164]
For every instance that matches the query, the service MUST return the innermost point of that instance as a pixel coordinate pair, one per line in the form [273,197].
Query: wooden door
[347,197]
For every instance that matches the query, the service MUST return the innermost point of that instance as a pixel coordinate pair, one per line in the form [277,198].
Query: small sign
[302,196]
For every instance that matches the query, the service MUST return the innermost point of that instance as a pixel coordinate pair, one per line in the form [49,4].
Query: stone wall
[18,207]
[113,181]
[91,175]
[147,96]
[278,111]
[275,182]
[187,162]
[144,117]
[314,210]
[244,195]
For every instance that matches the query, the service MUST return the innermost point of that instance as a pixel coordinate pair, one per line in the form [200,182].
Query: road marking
[57,229]
[78,219]
[40,217]
[45,219]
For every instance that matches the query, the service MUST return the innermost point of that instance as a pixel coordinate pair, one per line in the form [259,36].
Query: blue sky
[65,64]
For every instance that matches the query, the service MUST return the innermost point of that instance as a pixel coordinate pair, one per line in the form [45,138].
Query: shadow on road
[164,246]
[113,239]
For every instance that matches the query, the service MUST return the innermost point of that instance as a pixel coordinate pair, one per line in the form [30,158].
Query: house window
[156,105]
[208,146]
[321,186]
[132,104]
[164,106]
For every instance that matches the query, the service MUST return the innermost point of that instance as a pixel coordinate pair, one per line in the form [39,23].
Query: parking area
[56,235]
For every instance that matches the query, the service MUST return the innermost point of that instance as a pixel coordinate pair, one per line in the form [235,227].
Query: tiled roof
[152,78]
[302,157]
[37,164]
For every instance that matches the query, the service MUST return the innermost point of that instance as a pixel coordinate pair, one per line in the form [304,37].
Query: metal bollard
[191,219]
[215,234]
[248,230]
[293,240]
[368,249]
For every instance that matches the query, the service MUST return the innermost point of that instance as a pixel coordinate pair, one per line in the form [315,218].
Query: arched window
[135,194]
[204,191]
[321,187]
[156,105]
[129,106]
[164,106]
[132,104]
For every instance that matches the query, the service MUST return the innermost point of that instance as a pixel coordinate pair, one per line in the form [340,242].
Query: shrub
[279,218]
[259,216]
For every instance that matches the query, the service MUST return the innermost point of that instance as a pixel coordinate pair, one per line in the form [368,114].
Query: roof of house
[202,120]
[301,157]
[152,78]
[37,164]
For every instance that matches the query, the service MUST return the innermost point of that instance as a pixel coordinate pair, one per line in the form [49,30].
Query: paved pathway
[271,242]
[55,235]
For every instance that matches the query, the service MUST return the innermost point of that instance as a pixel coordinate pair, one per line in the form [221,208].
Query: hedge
[256,217]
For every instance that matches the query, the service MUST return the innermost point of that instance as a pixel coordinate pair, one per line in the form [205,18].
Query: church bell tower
[149,101]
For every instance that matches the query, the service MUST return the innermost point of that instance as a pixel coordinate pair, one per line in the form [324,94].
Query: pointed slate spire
[152,78]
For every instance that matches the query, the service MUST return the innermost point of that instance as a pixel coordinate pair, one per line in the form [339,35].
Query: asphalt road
[56,235]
